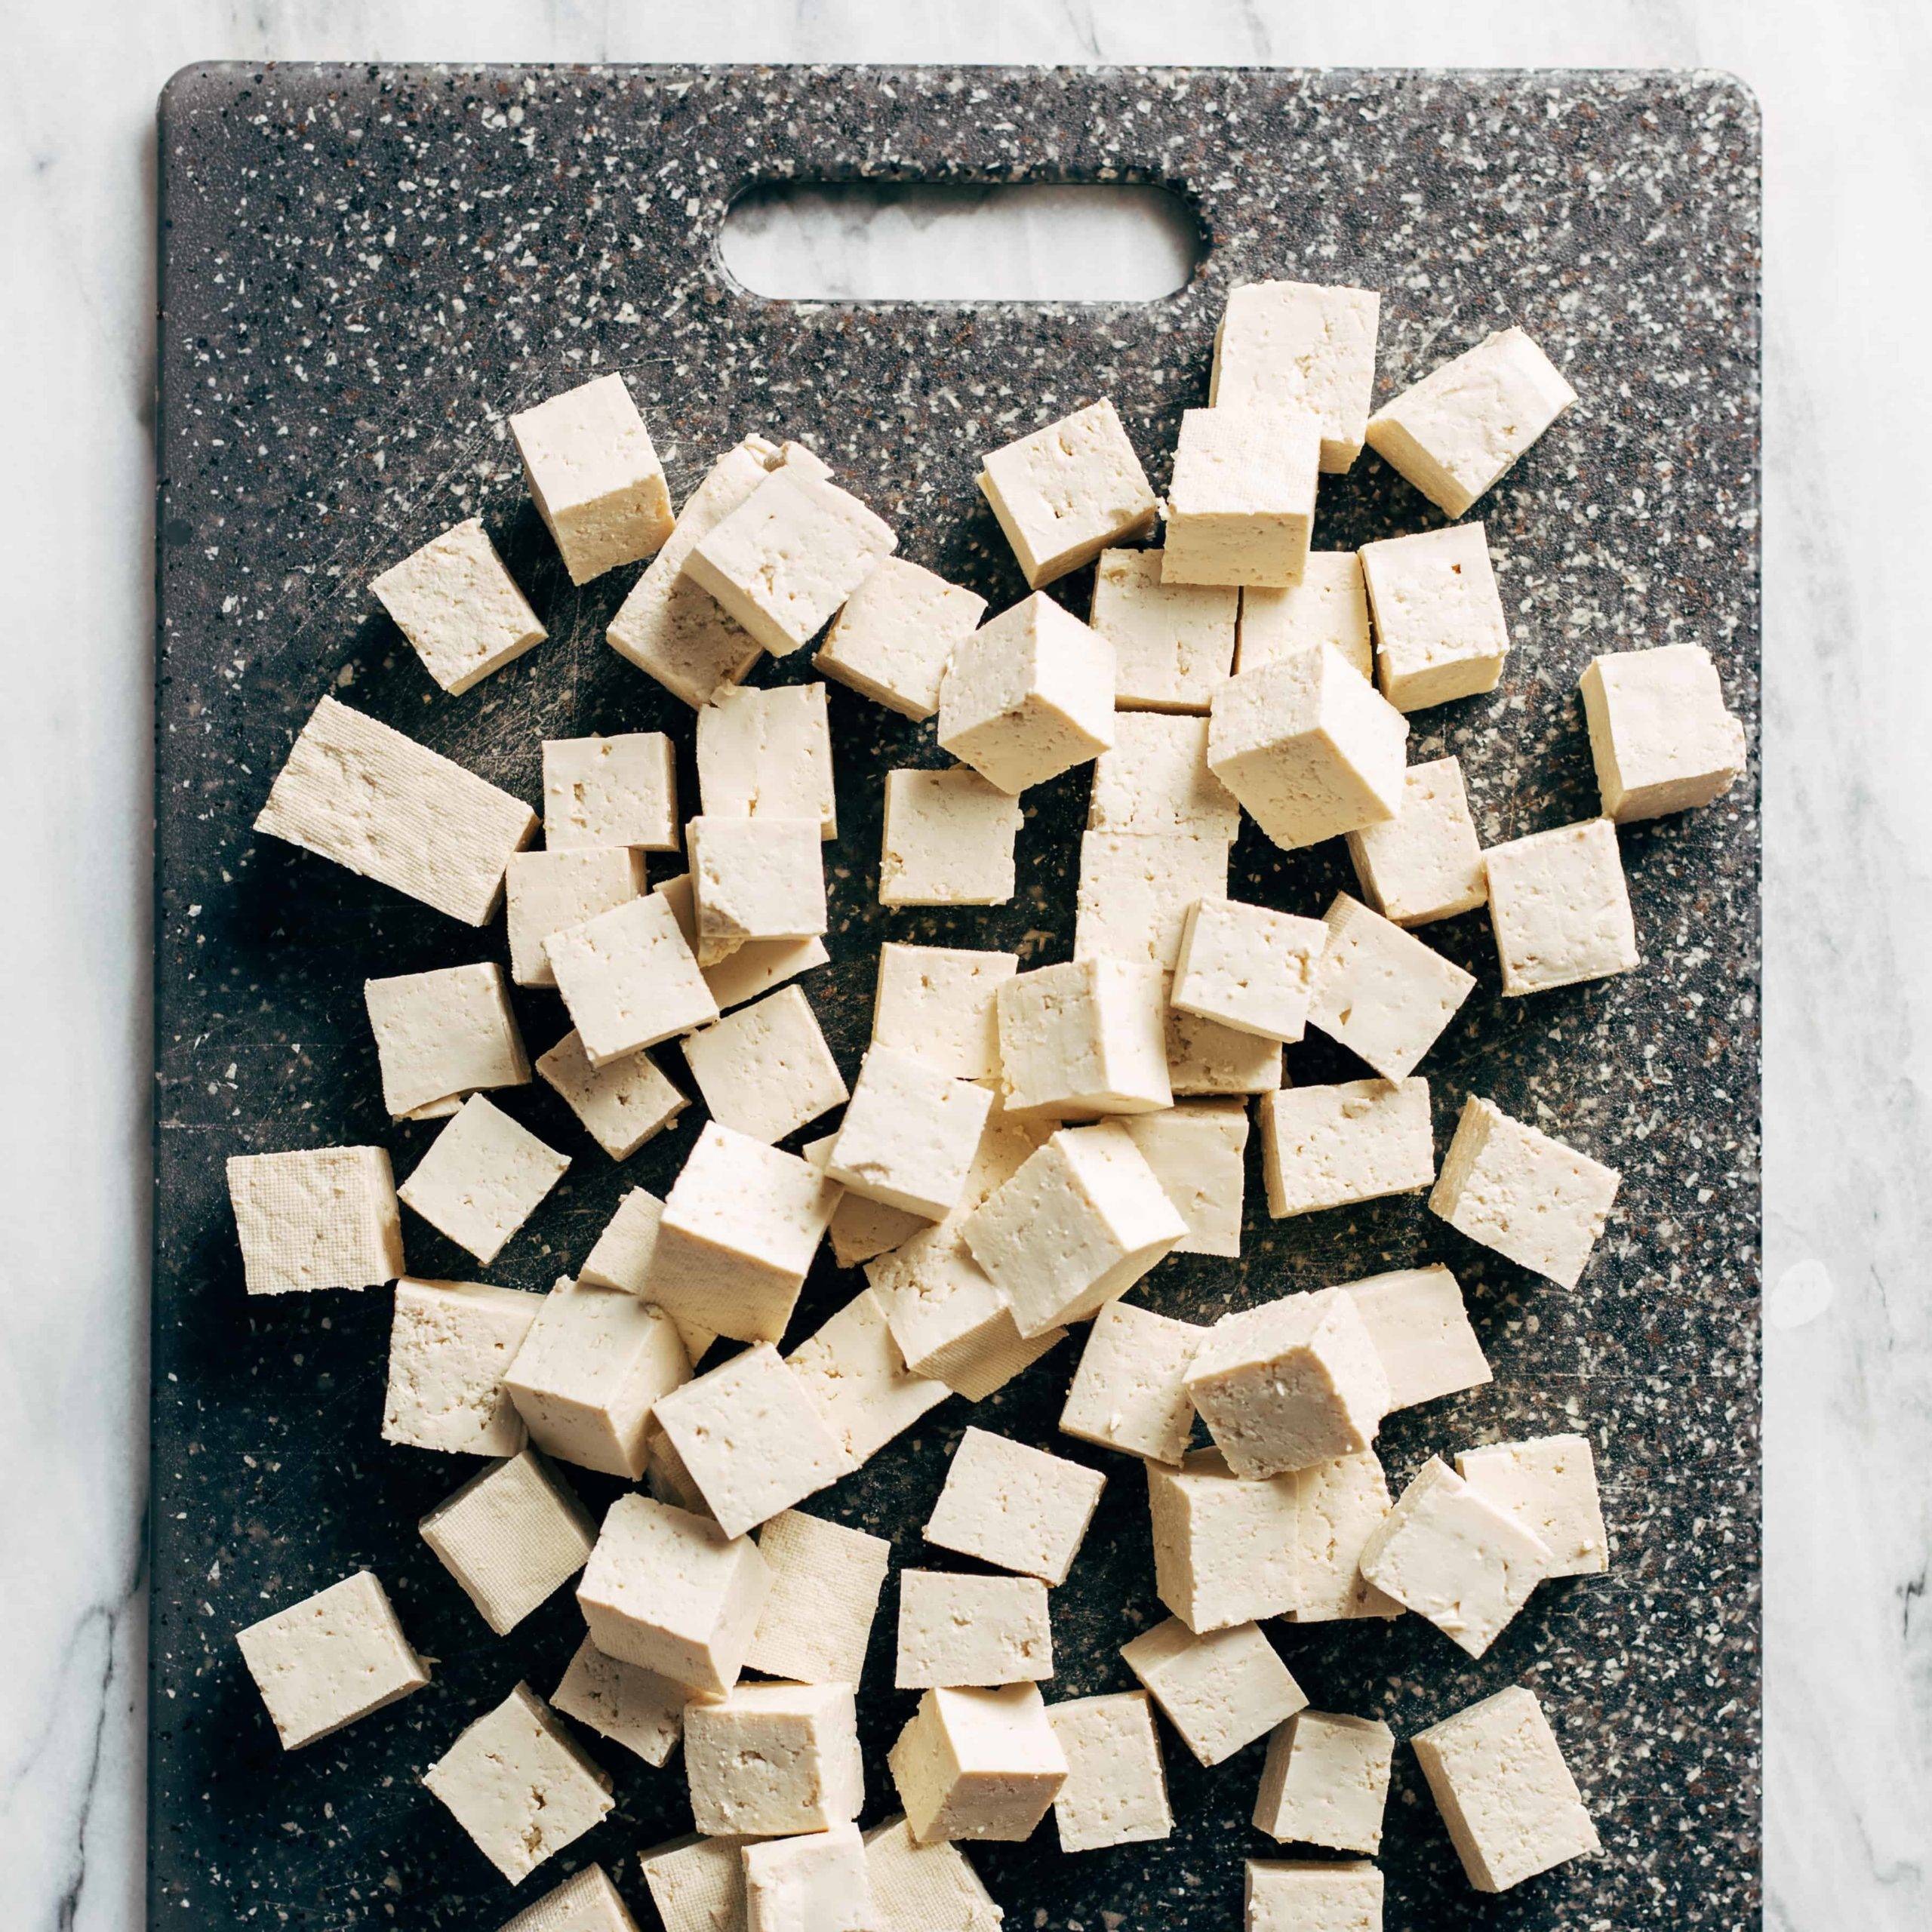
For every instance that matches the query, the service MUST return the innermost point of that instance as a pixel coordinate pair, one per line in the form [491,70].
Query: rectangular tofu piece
[1301,345]
[853,1369]
[315,1218]
[620,791]
[941,1003]
[1116,1788]
[443,1035]
[459,607]
[1015,1507]
[511,1537]
[594,476]
[1174,642]
[547,891]
[1065,493]
[1137,889]
[948,841]
[956,1630]
[1129,1392]
[826,1581]
[767,753]
[1334,1146]
[896,635]
[1220,1691]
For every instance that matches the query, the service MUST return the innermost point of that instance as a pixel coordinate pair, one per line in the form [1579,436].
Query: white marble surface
[1849,920]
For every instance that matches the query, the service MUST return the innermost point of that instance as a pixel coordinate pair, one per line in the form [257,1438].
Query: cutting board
[363,271]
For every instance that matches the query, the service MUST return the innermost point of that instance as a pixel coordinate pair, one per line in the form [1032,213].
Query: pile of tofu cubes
[1018,1148]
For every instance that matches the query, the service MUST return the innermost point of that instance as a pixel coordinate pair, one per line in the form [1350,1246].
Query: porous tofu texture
[451,1344]
[1220,1691]
[637,1708]
[1294,1895]
[546,892]
[925,1887]
[587,1902]
[1380,992]
[1329,605]
[1137,889]
[1248,966]
[1305,346]
[511,1537]
[1064,494]
[768,753]
[621,1105]
[897,634]
[1199,1152]
[1548,1484]
[1116,1788]
[1440,632]
[817,1882]
[443,1035]
[826,1581]
[909,1136]
[852,1368]
[1332,1146]
[459,607]
[1129,1392]
[962,1630]
[765,1759]
[1225,1550]
[757,879]
[483,1177]
[1560,908]
[978,1764]
[1154,777]
[1084,1037]
[1013,1506]
[620,791]
[628,980]
[1241,507]
[1421,1331]
[1426,863]
[317,1217]
[941,1003]
[765,1070]
[1173,642]
[1661,737]
[948,841]
[1326,1782]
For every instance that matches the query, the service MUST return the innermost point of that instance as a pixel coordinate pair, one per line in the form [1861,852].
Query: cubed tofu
[586,1902]
[1240,508]
[1548,1484]
[1379,992]
[1426,863]
[697,1883]
[1199,1152]
[603,792]
[1326,1782]
[1083,1038]
[1154,777]
[1220,1691]
[594,476]
[897,634]
[1248,966]
[1137,888]
[764,1069]
[757,879]
[1015,1507]
[1225,1548]
[1116,1788]
[1303,346]
[1560,908]
[628,980]
[1297,1895]
[817,1882]
[1661,737]
[909,1138]
[451,1344]
[1329,605]
[925,1887]
[1440,632]
[826,1581]
[1334,1146]
[956,1631]
[948,840]
[459,607]
[736,971]
[1207,1058]
[1174,641]
[316,1217]
[443,1035]
[546,892]
[941,1003]
[637,1708]
[1129,1392]
[977,1764]
[853,1369]
[766,753]
[1415,1318]
[511,1537]
[484,1175]
[1341,1504]
[1064,494]
[764,1759]
[622,1104]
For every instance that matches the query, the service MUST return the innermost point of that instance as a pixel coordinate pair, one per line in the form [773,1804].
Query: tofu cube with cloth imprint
[941,1003]
[483,1177]
[1154,777]
[1334,1146]
[956,1631]
[1421,1331]
[1199,1152]
[637,1708]
[546,892]
[1084,1037]
[1328,605]
[1426,863]
[756,878]
[315,1218]
[853,1369]
[897,633]
[766,753]
[1309,749]
[1028,696]
[977,1764]
[949,839]
[1511,1187]
[443,1035]
[826,1581]
[1220,1691]
[1439,628]
[1462,428]
[1661,737]
[1310,1895]
[594,476]
[1560,908]
[1305,346]
[1240,508]
[1248,966]
[1326,1782]
[697,1883]
[1137,889]
[766,1759]
[765,1070]
[1173,642]
[620,791]
[925,1887]
[621,1104]
[587,1902]
[511,1537]
[1078,1226]
[909,1136]
[1116,1788]
[451,1344]
[817,1882]
[1015,1507]
[1129,1392]
[621,1255]
[1379,992]
[1498,1777]
[1064,494]
[1548,1484]
[786,558]
[459,607]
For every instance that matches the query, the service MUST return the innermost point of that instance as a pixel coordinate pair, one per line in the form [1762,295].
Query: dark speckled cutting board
[363,271]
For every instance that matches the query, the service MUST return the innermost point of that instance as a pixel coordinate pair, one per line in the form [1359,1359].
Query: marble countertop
[1848,1329]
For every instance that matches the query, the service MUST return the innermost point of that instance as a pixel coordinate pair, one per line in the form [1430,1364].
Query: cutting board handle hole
[961,241]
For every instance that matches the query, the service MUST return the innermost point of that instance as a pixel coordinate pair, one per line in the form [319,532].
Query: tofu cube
[483,1177]
[925,1887]
[586,1902]
[697,1883]
[1240,508]
[671,1592]
[1421,1331]
[757,879]
[1334,1146]
[1173,640]
[909,1136]
[897,634]
[853,1369]
[379,804]
[518,1782]
[1296,1895]
[1083,1038]
[1449,1555]
[1660,737]
[978,1764]
[1426,863]
[451,1344]
[1198,1154]
[816,1882]
[1326,1782]
[1342,1503]
[1066,492]
[637,1708]
[1206,1057]
[316,1217]
[545,892]
[1116,1788]
[1154,777]
[332,1658]
[1329,605]
[941,1002]
[1461,428]
[784,561]
[459,607]
[1560,908]
[826,1581]
[768,754]
[1381,992]
[1248,966]
[1015,1507]
[606,792]
[1137,889]
[949,839]
[956,1631]
[737,1236]
[1497,1775]
[1129,1392]
[735,970]
[1076,1227]
[621,1257]
[628,980]
[1524,1193]
[769,1759]
[1220,1691]
[594,477]
[1224,1548]
[621,1104]
[441,1036]
[1309,749]
[1301,346]
[1028,696]
[765,1070]
[511,1537]
[1549,1486]
[1439,628]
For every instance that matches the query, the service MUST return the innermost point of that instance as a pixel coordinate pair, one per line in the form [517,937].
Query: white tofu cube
[1330,605]
[628,980]
[1497,1775]
[1302,345]
[1221,1690]
[1137,889]
[1380,992]
[1549,1486]
[637,1708]
[483,1177]
[622,1104]
[1248,966]
[1309,749]
[594,476]
[1064,494]
[459,607]
[1198,1154]
[1015,1507]
[1297,1895]
[1426,863]
[1240,508]
[1154,777]
[770,1758]
[925,1887]
[949,1320]
[621,1255]
[909,1137]
[853,1369]
[545,892]
[1076,1227]
[441,1036]
[956,1631]
[697,1883]
[765,1070]
[379,804]
[949,838]
[897,633]
[861,1229]
[783,561]
[1028,696]
[671,1592]
[816,1882]
[757,879]
[1224,1548]
[1342,1503]
[1129,1392]
[1084,1037]
[737,971]
[316,1217]
[1326,1782]
[1421,1331]
[1560,908]
[1661,737]
[1116,1788]
[586,1902]
[1524,1193]
[330,1658]
[1207,1057]
[1439,628]
[511,1537]
[826,1581]
[450,1345]
[1461,428]
[1334,1146]
[768,754]
[1449,1555]
[941,1003]
[1174,641]
[978,1764]
[620,791]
